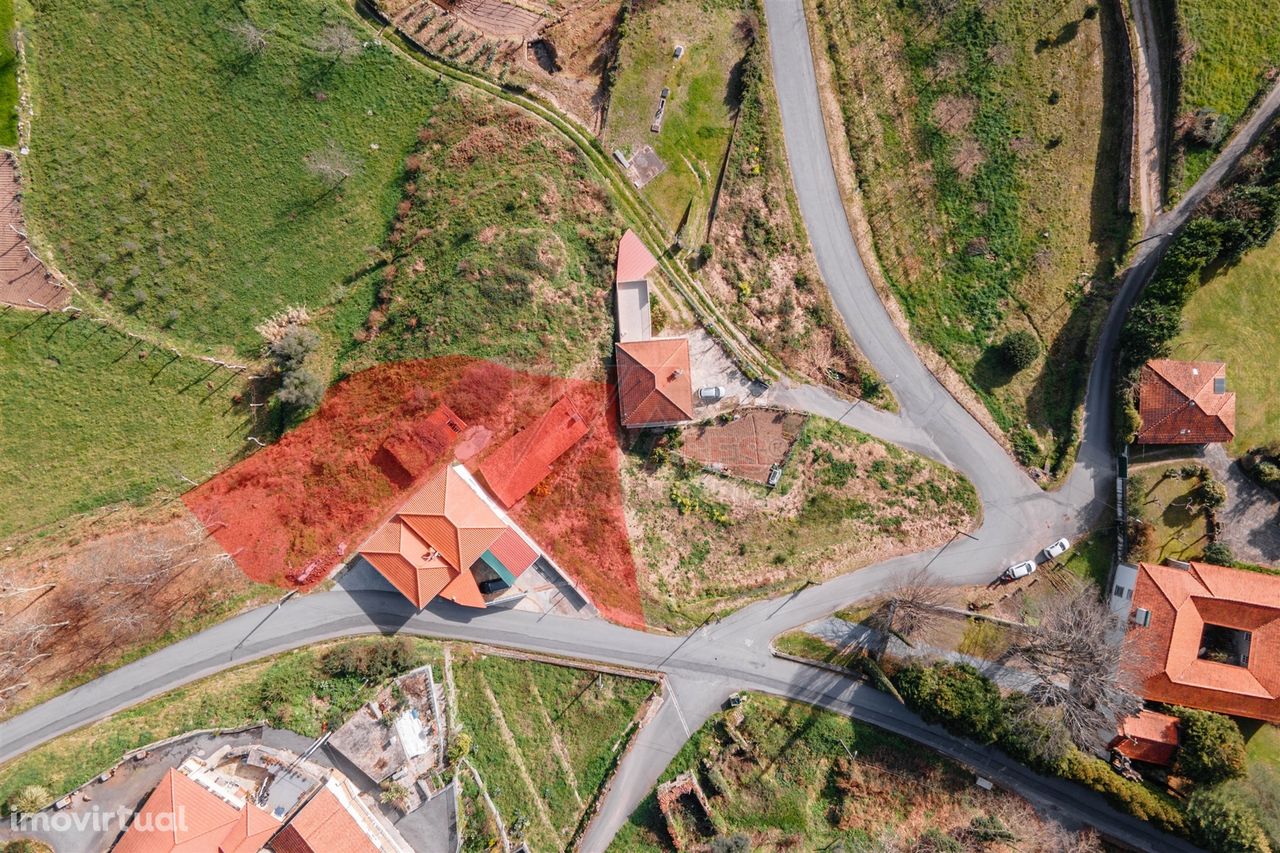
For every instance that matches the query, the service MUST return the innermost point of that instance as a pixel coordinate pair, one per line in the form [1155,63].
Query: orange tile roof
[1179,405]
[525,459]
[1148,736]
[1164,656]
[513,552]
[180,816]
[429,545]
[654,385]
[635,261]
[251,831]
[323,825]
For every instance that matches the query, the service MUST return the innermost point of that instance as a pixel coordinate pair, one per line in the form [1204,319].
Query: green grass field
[1236,318]
[699,115]
[167,166]
[1235,42]
[550,742]
[1179,533]
[8,76]
[987,145]
[87,421]
[788,776]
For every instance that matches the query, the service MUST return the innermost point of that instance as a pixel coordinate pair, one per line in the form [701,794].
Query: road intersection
[701,670]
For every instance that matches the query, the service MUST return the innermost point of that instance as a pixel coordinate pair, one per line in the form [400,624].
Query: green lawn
[8,76]
[793,777]
[1090,558]
[1179,534]
[699,115]
[1235,41]
[1236,318]
[588,716]
[167,166]
[1261,787]
[86,421]
[986,139]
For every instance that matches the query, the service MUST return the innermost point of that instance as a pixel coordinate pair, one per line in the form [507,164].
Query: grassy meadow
[168,164]
[8,76]
[1232,45]
[1235,318]
[787,776]
[709,544]
[987,144]
[91,417]
[698,122]
[545,738]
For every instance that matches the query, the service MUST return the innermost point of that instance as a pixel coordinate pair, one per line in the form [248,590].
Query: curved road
[705,667]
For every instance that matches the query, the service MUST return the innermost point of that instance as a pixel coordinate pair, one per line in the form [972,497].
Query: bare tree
[337,42]
[331,164]
[911,604]
[1075,656]
[252,38]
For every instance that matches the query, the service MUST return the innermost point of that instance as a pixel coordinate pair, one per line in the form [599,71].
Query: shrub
[1019,350]
[373,661]
[293,346]
[1222,824]
[459,747]
[30,799]
[1212,749]
[302,389]
[1211,494]
[1026,447]
[959,697]
[1033,735]
[738,843]
[1128,796]
[1219,554]
[934,840]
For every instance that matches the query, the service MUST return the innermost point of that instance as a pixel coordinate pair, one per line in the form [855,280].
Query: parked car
[711,393]
[775,474]
[1018,570]
[1056,549]
[492,585]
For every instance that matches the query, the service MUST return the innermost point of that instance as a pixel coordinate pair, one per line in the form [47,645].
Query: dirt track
[24,281]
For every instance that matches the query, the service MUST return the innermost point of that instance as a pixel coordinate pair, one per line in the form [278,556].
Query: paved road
[705,667]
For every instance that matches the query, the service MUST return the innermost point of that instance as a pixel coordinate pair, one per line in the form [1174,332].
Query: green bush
[459,747]
[1033,735]
[1128,796]
[1211,494]
[1219,554]
[1212,748]
[1026,447]
[1019,350]
[959,697]
[30,799]
[1222,824]
[374,661]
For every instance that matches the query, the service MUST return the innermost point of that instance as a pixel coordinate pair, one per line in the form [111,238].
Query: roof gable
[1179,404]
[635,261]
[525,459]
[205,819]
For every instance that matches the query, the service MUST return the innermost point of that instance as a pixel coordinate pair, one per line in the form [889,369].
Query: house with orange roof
[335,820]
[183,816]
[1206,637]
[525,459]
[655,388]
[447,539]
[631,288]
[1149,737]
[1185,402]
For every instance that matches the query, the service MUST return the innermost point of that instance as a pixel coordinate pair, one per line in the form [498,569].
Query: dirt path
[514,748]
[557,746]
[1150,110]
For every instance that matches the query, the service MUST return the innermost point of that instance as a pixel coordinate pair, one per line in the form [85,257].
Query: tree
[252,38]
[911,604]
[293,346]
[1211,494]
[1034,735]
[1219,554]
[302,389]
[331,164]
[1075,664]
[1222,824]
[337,42]
[30,799]
[966,702]
[737,843]
[1212,748]
[1019,350]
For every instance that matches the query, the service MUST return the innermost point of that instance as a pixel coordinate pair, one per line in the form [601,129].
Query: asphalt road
[705,667]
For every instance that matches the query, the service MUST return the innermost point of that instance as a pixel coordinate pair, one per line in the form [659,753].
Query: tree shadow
[991,372]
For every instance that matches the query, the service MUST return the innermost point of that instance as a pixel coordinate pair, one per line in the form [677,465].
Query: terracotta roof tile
[1179,404]
[513,552]
[635,261]
[525,459]
[180,816]
[1165,656]
[1148,736]
[654,383]
[323,825]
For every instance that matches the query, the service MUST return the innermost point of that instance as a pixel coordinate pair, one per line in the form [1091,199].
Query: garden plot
[748,443]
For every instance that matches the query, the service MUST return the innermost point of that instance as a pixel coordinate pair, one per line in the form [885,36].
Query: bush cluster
[1132,797]
[374,661]
[1262,464]
[1212,748]
[1019,350]
[1220,822]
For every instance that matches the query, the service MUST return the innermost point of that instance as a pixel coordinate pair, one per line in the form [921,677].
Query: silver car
[711,393]
[1056,549]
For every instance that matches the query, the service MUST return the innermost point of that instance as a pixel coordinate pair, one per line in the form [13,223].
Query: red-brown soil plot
[24,281]
[293,511]
[747,446]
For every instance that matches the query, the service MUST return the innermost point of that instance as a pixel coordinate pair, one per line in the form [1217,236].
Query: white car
[1019,570]
[1056,549]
